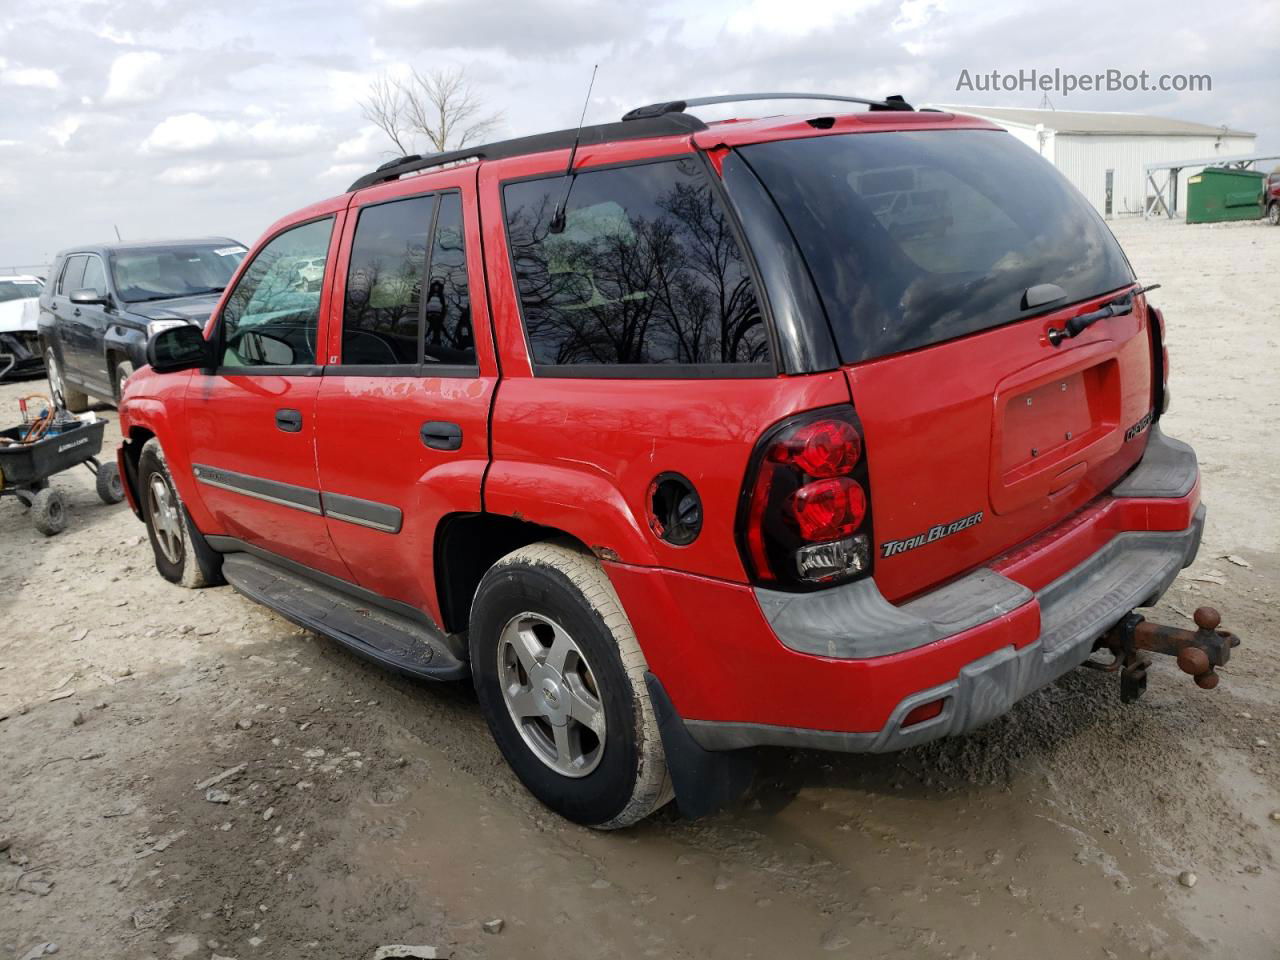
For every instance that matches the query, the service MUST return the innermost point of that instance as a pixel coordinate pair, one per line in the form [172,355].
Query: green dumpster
[1216,194]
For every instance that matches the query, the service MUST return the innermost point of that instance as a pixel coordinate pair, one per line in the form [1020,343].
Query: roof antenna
[558,217]
[117,229]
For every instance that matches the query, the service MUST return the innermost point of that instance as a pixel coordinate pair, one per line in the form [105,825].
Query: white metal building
[1106,153]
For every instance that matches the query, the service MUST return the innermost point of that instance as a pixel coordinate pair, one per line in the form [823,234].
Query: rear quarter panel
[579,455]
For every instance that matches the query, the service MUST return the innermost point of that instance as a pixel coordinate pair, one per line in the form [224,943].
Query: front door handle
[439,435]
[290,421]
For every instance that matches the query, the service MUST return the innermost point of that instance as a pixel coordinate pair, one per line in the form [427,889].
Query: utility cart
[49,441]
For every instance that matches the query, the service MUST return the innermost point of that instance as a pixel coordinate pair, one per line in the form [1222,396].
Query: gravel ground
[363,809]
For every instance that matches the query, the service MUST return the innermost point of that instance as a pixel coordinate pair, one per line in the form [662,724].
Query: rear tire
[181,554]
[71,400]
[110,489]
[49,512]
[1273,213]
[606,772]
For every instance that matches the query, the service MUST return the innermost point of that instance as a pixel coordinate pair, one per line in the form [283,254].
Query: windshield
[19,289]
[160,273]
[917,237]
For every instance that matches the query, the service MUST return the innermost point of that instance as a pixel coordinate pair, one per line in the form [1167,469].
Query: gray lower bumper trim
[1168,469]
[855,621]
[1133,570]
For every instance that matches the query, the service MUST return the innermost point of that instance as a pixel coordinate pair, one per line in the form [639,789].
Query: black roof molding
[675,107]
[657,126]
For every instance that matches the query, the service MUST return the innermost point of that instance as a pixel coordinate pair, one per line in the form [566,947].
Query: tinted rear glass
[917,237]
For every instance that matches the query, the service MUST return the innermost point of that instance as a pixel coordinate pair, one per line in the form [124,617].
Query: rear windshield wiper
[1118,307]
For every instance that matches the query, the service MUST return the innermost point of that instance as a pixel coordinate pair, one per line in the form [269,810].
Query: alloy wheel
[551,693]
[162,507]
[55,378]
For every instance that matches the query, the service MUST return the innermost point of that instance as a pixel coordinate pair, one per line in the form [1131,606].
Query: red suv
[834,431]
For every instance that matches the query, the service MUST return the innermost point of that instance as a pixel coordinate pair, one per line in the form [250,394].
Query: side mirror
[88,296]
[178,348]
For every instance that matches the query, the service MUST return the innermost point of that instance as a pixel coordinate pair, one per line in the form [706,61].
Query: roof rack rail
[665,125]
[894,102]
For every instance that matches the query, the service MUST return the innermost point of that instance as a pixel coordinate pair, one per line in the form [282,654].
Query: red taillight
[828,509]
[827,448]
[803,520]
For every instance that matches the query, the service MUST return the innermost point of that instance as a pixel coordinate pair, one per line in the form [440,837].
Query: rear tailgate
[941,259]
[977,444]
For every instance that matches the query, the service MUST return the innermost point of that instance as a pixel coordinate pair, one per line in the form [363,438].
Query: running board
[379,635]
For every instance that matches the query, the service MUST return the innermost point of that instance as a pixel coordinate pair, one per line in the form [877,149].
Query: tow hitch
[1198,652]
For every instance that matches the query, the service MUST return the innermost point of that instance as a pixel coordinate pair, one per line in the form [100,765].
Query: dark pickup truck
[104,300]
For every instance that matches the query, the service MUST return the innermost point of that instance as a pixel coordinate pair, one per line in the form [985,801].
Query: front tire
[123,371]
[71,400]
[560,678]
[1273,213]
[181,555]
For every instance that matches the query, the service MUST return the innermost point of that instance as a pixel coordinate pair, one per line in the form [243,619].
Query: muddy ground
[374,810]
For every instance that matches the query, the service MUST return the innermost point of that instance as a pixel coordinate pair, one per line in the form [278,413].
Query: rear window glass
[645,272]
[918,237]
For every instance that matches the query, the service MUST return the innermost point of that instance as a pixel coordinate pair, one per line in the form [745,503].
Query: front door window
[272,316]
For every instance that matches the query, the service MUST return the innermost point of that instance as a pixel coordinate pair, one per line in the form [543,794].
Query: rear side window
[272,315]
[647,272]
[918,237]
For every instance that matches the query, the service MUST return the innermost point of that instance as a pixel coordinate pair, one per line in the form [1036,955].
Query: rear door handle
[439,435]
[290,421]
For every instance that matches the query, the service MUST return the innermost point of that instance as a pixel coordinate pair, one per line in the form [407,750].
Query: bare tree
[438,107]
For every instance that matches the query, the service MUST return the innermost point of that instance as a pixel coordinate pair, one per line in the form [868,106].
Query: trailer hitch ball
[1197,653]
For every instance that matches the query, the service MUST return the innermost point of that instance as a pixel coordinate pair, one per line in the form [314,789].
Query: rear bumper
[1133,570]
[842,669]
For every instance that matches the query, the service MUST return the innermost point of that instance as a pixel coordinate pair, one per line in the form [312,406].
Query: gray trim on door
[272,491]
[364,513]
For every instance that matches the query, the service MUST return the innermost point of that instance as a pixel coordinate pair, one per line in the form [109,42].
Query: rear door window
[917,237]
[382,309]
[646,275]
[447,336]
[389,318]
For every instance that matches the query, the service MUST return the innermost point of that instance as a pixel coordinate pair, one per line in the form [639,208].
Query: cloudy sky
[185,117]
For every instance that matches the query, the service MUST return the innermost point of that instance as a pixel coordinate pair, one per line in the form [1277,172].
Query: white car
[19,309]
